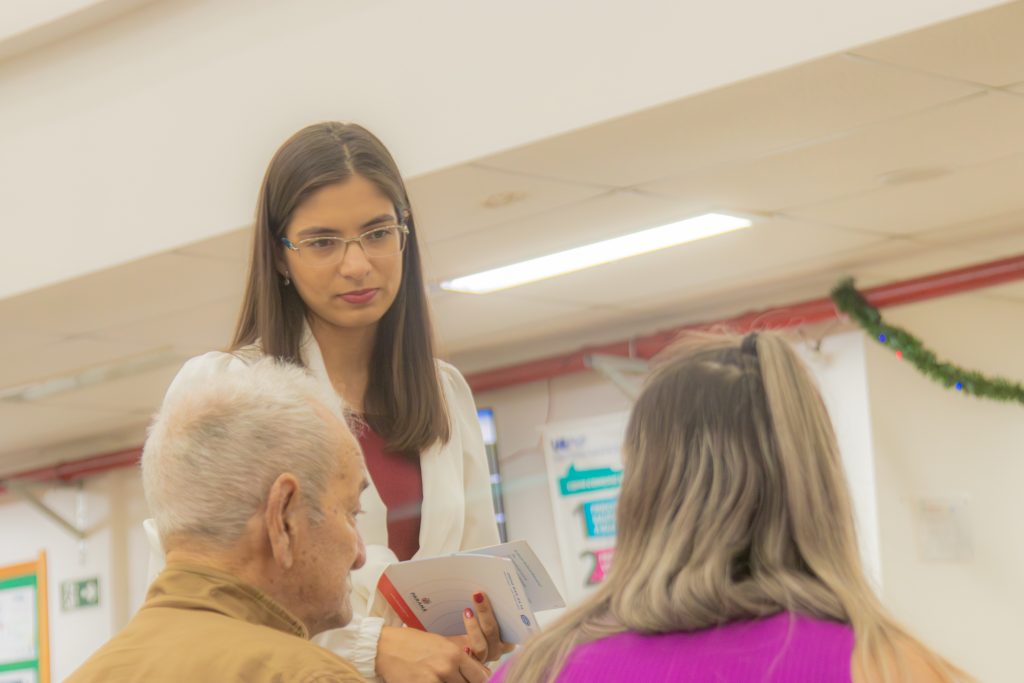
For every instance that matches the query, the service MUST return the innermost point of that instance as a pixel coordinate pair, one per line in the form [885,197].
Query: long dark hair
[404,402]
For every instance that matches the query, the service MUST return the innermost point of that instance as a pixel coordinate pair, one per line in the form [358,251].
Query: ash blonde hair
[733,506]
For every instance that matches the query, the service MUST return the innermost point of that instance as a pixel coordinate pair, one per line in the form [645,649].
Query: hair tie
[749,344]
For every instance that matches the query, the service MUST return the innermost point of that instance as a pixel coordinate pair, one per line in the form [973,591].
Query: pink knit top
[784,648]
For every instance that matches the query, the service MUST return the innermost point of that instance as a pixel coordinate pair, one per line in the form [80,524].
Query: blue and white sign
[584,463]
[599,517]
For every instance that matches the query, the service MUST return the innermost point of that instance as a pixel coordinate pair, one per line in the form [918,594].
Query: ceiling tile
[996,237]
[773,283]
[985,47]
[62,358]
[739,122]
[140,394]
[971,194]
[198,329]
[595,219]
[926,260]
[16,340]
[136,291]
[235,245]
[967,132]
[496,343]
[460,318]
[470,198]
[29,425]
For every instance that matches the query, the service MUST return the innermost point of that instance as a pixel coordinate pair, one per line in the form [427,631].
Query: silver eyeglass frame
[403,230]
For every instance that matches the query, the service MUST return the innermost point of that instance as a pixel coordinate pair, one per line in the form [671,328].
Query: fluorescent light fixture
[596,254]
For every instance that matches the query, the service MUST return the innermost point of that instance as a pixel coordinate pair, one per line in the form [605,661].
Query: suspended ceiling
[897,159]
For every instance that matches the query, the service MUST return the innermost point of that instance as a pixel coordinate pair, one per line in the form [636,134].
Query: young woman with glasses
[336,285]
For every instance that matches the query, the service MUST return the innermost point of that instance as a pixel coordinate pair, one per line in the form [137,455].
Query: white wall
[840,370]
[152,131]
[933,443]
[115,551]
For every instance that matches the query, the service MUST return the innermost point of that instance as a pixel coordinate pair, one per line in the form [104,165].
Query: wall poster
[584,464]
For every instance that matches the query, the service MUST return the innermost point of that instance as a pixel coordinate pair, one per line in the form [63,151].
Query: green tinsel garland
[852,302]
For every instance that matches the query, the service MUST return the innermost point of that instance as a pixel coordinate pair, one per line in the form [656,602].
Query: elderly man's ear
[281,516]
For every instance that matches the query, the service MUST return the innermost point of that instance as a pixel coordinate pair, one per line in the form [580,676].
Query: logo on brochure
[526,619]
[422,603]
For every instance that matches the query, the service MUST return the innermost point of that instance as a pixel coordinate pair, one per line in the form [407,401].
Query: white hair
[216,446]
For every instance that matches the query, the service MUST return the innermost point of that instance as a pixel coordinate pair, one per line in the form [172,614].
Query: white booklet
[431,594]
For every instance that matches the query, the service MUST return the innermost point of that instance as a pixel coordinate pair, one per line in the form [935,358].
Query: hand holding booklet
[431,594]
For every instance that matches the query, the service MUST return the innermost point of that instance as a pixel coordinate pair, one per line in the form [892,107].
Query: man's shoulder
[303,660]
[207,647]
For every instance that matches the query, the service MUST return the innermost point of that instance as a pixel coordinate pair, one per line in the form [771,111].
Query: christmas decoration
[909,348]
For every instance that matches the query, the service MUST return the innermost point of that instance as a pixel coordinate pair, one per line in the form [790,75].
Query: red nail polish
[468,651]
[468,613]
[478,598]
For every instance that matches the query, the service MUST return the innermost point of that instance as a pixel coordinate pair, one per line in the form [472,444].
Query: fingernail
[478,598]
[468,613]
[468,651]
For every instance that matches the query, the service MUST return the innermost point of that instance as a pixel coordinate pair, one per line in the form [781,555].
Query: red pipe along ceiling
[81,468]
[794,315]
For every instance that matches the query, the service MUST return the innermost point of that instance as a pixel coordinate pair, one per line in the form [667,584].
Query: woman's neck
[346,353]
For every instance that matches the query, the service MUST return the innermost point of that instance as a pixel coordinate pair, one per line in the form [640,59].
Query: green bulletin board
[24,627]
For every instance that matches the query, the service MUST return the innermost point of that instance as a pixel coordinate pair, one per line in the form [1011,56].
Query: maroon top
[399,482]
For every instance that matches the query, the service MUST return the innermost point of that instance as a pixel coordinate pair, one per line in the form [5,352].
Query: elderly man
[254,482]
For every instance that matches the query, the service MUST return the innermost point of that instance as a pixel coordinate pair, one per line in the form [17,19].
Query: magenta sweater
[783,648]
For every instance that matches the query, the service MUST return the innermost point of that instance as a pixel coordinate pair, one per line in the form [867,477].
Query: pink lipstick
[361,296]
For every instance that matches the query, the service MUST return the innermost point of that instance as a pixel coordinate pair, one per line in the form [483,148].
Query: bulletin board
[24,626]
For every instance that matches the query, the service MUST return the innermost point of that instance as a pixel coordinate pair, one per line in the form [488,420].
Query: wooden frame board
[20,584]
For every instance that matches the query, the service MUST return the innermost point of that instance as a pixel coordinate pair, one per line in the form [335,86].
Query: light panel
[596,254]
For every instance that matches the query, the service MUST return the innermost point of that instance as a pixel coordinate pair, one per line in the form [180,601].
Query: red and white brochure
[431,594]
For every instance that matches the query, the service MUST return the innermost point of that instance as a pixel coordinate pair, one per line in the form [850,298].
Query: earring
[286,280]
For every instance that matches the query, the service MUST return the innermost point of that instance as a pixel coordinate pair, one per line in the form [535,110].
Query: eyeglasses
[330,250]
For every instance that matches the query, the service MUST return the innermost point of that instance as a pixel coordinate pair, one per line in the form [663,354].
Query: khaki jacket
[202,625]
